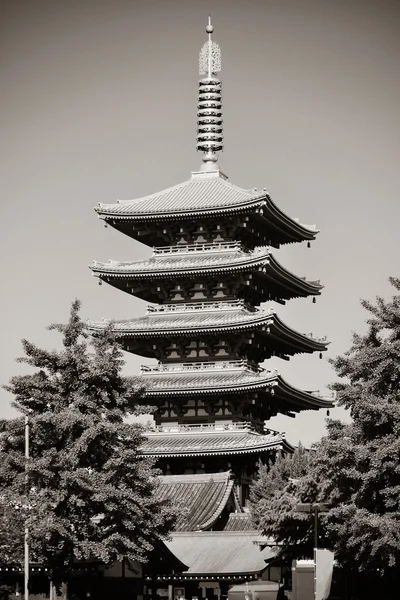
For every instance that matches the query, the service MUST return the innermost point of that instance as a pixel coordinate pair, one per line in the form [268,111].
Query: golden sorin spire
[209,106]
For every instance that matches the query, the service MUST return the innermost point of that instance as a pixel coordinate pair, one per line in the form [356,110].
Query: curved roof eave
[307,400]
[263,321]
[113,271]
[305,397]
[305,231]
[170,215]
[186,454]
[202,196]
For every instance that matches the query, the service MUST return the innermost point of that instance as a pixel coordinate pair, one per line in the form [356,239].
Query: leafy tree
[90,493]
[356,467]
[273,499]
[360,463]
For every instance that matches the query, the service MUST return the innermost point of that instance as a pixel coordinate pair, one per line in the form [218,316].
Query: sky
[98,103]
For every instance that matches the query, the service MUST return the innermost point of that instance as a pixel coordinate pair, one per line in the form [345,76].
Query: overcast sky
[98,103]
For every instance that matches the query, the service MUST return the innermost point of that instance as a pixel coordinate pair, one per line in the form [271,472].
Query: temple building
[209,325]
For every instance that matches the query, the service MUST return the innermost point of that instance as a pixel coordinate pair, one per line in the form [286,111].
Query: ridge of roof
[194,478]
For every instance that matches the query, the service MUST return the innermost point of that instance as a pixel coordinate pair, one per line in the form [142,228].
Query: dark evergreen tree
[90,493]
[273,499]
[356,468]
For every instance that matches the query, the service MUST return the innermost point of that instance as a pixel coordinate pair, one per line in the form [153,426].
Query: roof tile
[220,552]
[206,444]
[200,498]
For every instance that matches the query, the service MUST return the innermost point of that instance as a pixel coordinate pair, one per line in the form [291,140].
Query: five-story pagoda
[211,269]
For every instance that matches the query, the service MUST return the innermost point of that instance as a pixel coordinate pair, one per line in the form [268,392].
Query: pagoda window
[199,295]
[222,352]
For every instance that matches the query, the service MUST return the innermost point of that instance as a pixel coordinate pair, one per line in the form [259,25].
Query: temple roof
[225,378]
[207,195]
[208,443]
[239,522]
[221,552]
[188,258]
[209,319]
[200,498]
[223,259]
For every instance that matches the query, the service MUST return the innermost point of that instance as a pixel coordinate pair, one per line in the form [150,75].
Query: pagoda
[209,325]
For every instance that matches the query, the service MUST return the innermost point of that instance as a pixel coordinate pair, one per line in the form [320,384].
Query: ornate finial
[210,55]
[209,106]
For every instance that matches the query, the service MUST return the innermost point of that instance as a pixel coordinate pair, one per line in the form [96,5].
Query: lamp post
[313,508]
[316,509]
[26,539]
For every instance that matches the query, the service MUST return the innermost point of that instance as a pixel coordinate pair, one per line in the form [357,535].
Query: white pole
[26,540]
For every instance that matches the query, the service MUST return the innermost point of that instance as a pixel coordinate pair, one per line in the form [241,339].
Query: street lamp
[313,508]
[26,536]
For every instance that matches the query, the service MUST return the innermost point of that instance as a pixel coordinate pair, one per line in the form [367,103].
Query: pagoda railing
[212,428]
[204,366]
[316,338]
[207,247]
[200,306]
[323,396]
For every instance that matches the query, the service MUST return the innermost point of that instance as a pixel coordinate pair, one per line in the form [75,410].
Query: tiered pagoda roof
[212,440]
[231,377]
[206,195]
[212,319]
[201,262]
[211,267]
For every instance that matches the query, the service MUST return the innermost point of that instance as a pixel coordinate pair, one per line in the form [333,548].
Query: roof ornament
[209,105]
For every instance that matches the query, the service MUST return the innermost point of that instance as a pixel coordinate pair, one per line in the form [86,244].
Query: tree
[359,463]
[90,493]
[356,467]
[273,499]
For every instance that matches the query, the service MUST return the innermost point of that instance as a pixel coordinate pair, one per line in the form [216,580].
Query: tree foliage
[273,499]
[356,467]
[90,493]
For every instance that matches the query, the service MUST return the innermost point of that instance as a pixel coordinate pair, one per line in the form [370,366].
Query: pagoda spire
[209,105]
